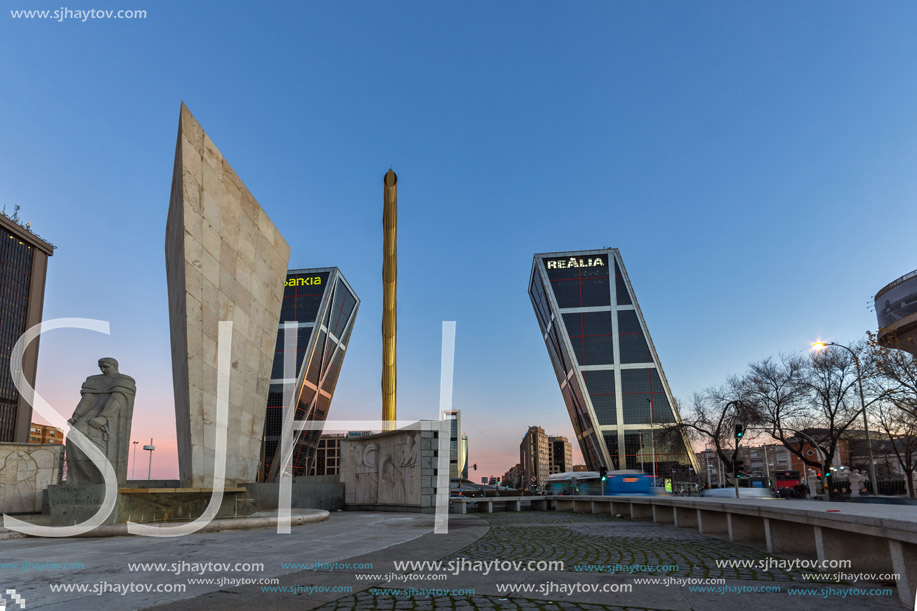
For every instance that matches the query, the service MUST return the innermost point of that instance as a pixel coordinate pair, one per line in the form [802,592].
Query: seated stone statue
[104,416]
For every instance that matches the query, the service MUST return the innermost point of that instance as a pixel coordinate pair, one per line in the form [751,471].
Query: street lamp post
[856,361]
[735,473]
[707,469]
[149,448]
[134,466]
[822,456]
[653,432]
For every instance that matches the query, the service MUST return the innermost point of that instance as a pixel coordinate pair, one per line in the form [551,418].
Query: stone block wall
[26,470]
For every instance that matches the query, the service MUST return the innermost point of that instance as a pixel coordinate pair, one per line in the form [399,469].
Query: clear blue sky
[754,163]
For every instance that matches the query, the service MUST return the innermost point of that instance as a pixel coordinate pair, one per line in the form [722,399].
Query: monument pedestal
[72,504]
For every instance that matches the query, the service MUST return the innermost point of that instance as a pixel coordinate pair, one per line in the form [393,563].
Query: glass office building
[23,267]
[606,365]
[458,445]
[321,307]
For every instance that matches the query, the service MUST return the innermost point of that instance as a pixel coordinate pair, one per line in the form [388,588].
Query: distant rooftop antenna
[15,216]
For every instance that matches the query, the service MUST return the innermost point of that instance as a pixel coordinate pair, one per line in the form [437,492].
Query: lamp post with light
[856,361]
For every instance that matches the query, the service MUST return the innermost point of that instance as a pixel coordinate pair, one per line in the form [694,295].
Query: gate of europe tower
[609,373]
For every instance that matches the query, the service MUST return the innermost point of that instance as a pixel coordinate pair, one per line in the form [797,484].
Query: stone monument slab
[225,261]
[395,470]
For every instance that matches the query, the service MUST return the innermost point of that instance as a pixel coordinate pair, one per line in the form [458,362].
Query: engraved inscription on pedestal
[76,503]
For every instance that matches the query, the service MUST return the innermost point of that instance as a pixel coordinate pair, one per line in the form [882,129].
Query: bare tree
[712,417]
[807,401]
[901,428]
[830,379]
[777,392]
[895,375]
[894,380]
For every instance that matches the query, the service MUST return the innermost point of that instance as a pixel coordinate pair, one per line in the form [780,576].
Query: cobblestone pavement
[365,600]
[579,540]
[585,540]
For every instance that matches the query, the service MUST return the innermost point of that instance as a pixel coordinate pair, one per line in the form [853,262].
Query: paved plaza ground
[366,547]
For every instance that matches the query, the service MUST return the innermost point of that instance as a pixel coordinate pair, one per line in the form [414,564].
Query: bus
[574,483]
[618,483]
[629,483]
[786,479]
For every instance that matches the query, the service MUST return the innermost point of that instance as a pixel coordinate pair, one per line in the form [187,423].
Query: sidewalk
[105,560]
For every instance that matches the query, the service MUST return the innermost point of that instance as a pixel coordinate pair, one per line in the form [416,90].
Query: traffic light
[603,474]
[475,466]
[739,468]
[740,430]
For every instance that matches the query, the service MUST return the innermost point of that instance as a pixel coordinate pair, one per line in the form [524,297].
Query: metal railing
[895,283]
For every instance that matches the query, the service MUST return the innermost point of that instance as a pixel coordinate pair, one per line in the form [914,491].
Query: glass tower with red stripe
[610,376]
[321,307]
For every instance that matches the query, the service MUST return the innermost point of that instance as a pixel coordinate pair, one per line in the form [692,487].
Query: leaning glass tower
[322,307]
[609,374]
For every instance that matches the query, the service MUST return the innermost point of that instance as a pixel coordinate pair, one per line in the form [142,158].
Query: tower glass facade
[320,305]
[23,264]
[609,373]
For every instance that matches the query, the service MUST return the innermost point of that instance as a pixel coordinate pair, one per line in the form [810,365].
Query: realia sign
[571,262]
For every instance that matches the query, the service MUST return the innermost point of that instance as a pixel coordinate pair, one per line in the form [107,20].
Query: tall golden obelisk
[389,292]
